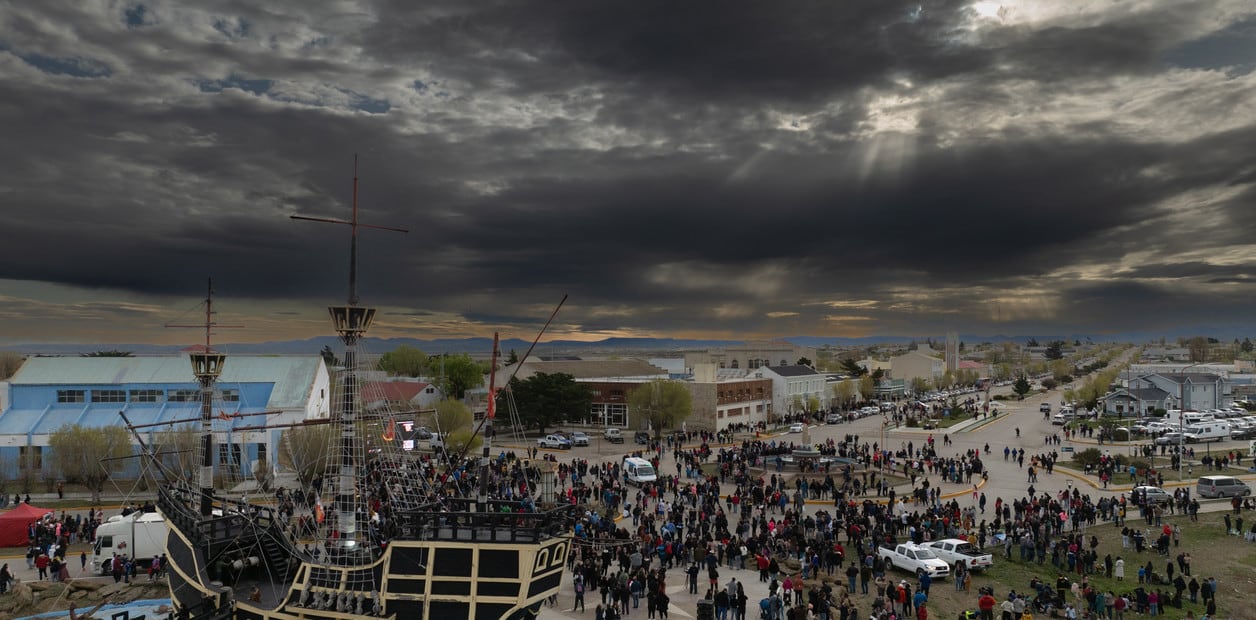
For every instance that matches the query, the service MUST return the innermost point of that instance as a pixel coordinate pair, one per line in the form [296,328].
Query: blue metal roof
[292,377]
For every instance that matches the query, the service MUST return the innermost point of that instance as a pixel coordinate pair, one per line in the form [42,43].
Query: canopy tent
[14,524]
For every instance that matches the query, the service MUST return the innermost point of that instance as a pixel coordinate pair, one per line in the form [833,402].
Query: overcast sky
[692,169]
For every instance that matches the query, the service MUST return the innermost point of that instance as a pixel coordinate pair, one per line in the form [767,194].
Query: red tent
[14,524]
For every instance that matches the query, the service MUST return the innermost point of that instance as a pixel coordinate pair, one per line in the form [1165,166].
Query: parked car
[915,559]
[641,437]
[796,427]
[554,441]
[1155,495]
[613,435]
[578,438]
[833,418]
[1171,438]
[958,551]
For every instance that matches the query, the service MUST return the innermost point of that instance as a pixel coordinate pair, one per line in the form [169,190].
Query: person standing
[578,584]
[986,604]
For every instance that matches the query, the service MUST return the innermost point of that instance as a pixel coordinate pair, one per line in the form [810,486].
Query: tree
[867,387]
[802,361]
[459,372]
[463,440]
[89,455]
[852,368]
[796,404]
[813,404]
[845,392]
[513,359]
[175,449]
[1054,350]
[1060,368]
[1246,346]
[329,357]
[1049,383]
[306,450]
[878,375]
[662,403]
[404,361]
[451,415]
[9,363]
[919,385]
[1200,348]
[545,399]
[1021,387]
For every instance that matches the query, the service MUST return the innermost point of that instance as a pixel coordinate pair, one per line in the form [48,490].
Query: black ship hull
[457,565]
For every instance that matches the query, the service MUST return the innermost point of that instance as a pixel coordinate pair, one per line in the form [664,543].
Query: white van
[638,471]
[1191,418]
[1221,486]
[1207,431]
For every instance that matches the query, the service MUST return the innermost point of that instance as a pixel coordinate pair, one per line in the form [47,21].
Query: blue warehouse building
[48,393]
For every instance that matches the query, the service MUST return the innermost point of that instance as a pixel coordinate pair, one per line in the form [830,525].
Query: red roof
[969,364]
[393,391]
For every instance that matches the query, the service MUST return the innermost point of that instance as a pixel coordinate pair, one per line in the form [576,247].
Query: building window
[231,396]
[609,415]
[146,396]
[108,396]
[184,396]
[617,394]
[736,364]
[31,458]
[71,396]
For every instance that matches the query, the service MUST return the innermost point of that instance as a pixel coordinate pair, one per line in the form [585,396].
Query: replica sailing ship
[401,540]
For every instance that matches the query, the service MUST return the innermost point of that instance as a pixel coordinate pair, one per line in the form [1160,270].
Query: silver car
[1154,495]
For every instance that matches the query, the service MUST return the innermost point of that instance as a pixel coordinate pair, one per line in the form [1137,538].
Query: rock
[113,588]
[23,593]
[39,586]
[85,584]
[78,594]
[792,564]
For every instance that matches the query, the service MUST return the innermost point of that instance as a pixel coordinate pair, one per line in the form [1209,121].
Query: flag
[390,431]
[319,515]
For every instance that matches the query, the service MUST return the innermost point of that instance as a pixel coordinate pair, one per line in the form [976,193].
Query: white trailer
[140,536]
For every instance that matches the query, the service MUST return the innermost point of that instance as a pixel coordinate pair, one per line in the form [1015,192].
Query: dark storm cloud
[674,167]
[706,50]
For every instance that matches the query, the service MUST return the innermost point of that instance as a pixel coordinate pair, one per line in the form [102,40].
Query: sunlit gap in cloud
[889,134]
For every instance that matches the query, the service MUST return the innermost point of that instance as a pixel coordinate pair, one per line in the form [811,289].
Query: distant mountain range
[480,346]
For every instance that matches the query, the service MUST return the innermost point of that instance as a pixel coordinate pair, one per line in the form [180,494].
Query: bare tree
[89,456]
[306,450]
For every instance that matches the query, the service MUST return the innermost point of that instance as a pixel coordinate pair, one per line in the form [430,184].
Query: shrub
[1089,456]
[1049,383]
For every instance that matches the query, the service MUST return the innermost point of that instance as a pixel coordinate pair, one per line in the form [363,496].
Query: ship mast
[207,366]
[351,322]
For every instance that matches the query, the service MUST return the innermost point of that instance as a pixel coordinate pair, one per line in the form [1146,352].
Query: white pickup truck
[915,559]
[956,551]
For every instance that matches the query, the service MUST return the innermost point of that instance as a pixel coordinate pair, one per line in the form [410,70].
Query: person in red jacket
[986,605]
